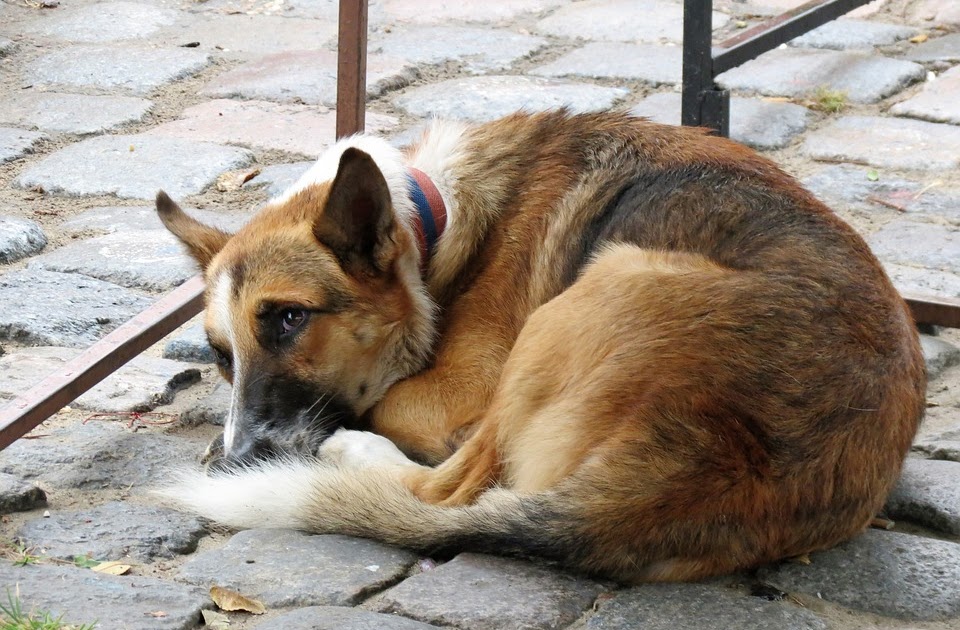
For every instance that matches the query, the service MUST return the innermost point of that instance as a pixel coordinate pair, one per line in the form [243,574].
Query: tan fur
[676,361]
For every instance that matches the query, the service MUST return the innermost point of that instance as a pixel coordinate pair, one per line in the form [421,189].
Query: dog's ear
[357,222]
[202,241]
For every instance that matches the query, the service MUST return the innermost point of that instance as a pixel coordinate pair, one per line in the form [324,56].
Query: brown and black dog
[637,349]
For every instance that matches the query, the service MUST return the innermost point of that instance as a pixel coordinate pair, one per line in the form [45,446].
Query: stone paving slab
[477,592]
[887,573]
[127,218]
[928,493]
[47,308]
[939,435]
[132,69]
[212,409]
[938,355]
[114,603]
[19,238]
[15,143]
[919,244]
[308,76]
[849,188]
[621,20]
[940,51]
[152,260]
[756,123]
[800,72]
[260,124]
[7,46]
[478,49]
[287,568]
[251,36]
[936,13]
[17,495]
[338,618]
[100,454]
[71,113]
[650,63]
[438,11]
[939,101]
[701,606]
[113,531]
[489,97]
[907,144]
[918,280]
[133,167]
[846,34]
[190,345]
[140,385]
[102,22]
[279,177]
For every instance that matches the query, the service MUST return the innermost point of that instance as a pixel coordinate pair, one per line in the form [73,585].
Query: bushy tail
[318,497]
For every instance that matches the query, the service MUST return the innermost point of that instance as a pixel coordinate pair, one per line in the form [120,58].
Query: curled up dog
[639,350]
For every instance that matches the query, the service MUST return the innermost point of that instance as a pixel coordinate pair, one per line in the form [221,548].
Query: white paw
[362,449]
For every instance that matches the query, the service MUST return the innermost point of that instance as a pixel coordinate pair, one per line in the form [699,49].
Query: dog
[639,350]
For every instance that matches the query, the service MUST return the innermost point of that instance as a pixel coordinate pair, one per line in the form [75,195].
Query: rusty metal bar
[104,357]
[100,360]
[352,67]
[934,309]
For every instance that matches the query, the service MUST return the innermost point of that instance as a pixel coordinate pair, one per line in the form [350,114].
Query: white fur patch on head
[221,314]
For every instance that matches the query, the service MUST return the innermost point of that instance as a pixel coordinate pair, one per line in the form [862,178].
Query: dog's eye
[291,319]
[222,358]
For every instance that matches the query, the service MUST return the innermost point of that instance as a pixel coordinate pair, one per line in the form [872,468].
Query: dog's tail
[319,497]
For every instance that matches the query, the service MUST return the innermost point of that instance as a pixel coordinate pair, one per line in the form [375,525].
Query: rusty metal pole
[352,68]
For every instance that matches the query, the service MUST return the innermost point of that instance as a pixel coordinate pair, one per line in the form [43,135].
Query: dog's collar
[431,217]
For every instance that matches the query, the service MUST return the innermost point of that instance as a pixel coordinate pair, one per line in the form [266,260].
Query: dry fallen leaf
[112,567]
[233,180]
[156,614]
[919,39]
[214,620]
[801,559]
[228,600]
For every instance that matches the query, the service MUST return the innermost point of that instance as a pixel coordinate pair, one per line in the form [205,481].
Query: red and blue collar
[431,217]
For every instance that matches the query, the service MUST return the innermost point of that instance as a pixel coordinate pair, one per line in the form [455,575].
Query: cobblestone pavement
[102,103]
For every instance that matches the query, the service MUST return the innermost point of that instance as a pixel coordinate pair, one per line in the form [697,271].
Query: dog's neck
[430,218]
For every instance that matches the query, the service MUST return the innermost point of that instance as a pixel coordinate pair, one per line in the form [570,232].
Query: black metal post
[703,103]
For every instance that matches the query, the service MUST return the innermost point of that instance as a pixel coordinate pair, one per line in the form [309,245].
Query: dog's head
[313,309]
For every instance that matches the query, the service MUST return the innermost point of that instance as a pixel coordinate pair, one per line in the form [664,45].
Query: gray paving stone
[848,188]
[7,46]
[939,436]
[127,218]
[190,345]
[305,77]
[756,123]
[17,495]
[938,355]
[621,20]
[83,596]
[134,167]
[250,36]
[887,573]
[945,446]
[845,34]
[212,409]
[15,143]
[651,63]
[476,592]
[279,177]
[489,97]
[133,69]
[47,308]
[478,49]
[71,113]
[936,13]
[799,72]
[940,51]
[928,493]
[939,101]
[338,618]
[440,11]
[100,454]
[102,22]
[288,568]
[708,607]
[153,260]
[918,244]
[113,531]
[907,144]
[140,385]
[929,281]
[20,238]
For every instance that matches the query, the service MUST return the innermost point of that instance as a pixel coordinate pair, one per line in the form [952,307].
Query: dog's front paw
[362,449]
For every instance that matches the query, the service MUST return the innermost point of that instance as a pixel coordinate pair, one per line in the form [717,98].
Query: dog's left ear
[202,241]
[357,223]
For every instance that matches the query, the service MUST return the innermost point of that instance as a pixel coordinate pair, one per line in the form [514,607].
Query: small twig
[882,523]
[135,418]
[925,189]
[884,202]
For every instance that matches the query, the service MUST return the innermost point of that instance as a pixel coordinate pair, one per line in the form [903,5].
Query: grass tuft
[12,617]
